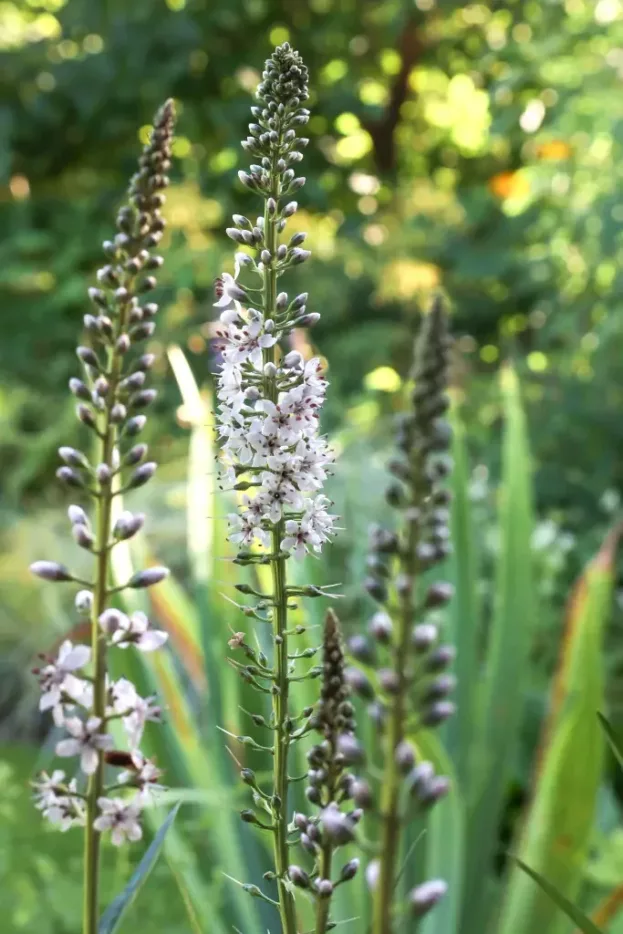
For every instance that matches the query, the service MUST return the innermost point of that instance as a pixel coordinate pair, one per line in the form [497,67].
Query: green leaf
[610,736]
[113,915]
[463,630]
[557,831]
[444,839]
[506,663]
[572,911]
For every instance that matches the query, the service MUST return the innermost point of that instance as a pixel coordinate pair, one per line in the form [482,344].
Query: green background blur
[468,147]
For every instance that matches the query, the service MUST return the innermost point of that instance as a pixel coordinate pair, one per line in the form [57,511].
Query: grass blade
[509,642]
[444,840]
[112,917]
[463,627]
[612,740]
[581,920]
[556,835]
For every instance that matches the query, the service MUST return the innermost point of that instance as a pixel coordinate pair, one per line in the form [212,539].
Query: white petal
[68,747]
[88,760]
[50,699]
[134,832]
[79,656]
[152,640]
[118,836]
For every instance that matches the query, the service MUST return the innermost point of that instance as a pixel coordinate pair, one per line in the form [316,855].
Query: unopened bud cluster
[112,397]
[330,784]
[407,681]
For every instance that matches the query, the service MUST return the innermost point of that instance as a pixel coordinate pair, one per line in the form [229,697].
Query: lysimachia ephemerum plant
[273,453]
[409,685]
[112,397]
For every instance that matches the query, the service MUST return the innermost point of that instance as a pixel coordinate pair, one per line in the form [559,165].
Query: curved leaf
[113,915]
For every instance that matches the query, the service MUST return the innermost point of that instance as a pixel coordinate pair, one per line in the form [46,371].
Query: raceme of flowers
[276,444]
[75,686]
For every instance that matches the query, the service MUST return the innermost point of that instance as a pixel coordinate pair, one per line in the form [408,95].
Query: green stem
[323,905]
[101,594]
[390,793]
[287,908]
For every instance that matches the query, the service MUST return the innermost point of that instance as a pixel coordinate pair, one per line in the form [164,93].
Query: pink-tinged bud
[135,455]
[123,344]
[308,321]
[141,400]
[82,536]
[77,516]
[118,413]
[298,877]
[135,425]
[425,896]
[142,475]
[148,577]
[298,256]
[127,525]
[70,477]
[85,415]
[72,457]
[51,571]
[290,209]
[78,388]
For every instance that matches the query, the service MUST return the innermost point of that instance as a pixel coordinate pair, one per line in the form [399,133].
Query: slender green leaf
[444,840]
[583,922]
[557,831]
[112,917]
[463,631]
[610,736]
[506,667]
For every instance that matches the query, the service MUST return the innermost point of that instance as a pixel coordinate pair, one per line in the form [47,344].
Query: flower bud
[360,648]
[135,425]
[298,877]
[82,536]
[359,683]
[376,589]
[389,680]
[290,209]
[373,871]
[142,475]
[298,256]
[425,896]
[72,457]
[439,594]
[50,571]
[110,620]
[83,602]
[141,400]
[118,413]
[404,756]
[423,637]
[78,388]
[88,356]
[103,474]
[85,415]
[437,713]
[381,627]
[349,871]
[127,525]
[324,887]
[337,827]
[349,749]
[70,477]
[148,577]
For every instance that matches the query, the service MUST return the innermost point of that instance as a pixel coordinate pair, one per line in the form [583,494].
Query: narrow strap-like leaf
[114,913]
[582,922]
[612,740]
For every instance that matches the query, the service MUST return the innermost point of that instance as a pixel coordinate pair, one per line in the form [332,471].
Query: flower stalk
[269,402]
[112,399]
[412,683]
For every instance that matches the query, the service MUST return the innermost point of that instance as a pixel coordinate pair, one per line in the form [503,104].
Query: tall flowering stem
[268,421]
[111,401]
[411,680]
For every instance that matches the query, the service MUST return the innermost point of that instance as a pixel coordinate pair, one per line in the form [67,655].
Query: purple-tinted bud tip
[148,577]
[425,896]
[51,571]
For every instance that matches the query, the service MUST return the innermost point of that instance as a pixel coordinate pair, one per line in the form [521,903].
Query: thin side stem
[390,795]
[287,909]
[323,905]
[101,594]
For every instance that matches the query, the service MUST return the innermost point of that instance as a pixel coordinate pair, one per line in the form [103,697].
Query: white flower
[134,630]
[299,538]
[135,710]
[46,788]
[86,741]
[59,802]
[121,818]
[228,291]
[144,775]
[55,679]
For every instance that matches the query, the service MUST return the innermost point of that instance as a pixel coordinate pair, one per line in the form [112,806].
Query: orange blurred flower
[509,185]
[553,150]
